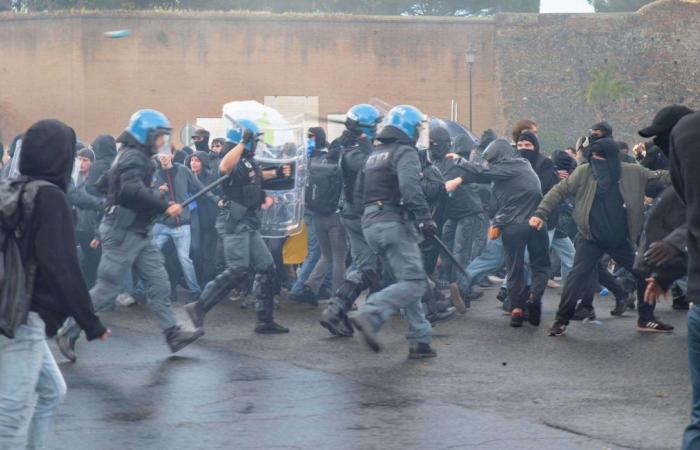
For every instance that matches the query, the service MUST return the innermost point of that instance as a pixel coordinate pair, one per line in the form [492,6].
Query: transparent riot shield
[283,145]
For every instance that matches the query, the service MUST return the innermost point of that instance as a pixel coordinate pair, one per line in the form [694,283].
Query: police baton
[208,188]
[450,255]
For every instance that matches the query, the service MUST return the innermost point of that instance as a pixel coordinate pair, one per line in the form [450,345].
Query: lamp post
[471,57]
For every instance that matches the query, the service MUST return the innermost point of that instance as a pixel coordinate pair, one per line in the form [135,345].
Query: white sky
[559,6]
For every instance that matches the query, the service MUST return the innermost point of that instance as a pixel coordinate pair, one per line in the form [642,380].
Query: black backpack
[16,275]
[324,185]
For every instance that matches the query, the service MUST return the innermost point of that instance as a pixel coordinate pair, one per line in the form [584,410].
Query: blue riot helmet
[237,132]
[146,125]
[234,135]
[363,118]
[408,119]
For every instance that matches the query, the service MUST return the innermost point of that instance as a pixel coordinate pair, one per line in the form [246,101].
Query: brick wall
[189,64]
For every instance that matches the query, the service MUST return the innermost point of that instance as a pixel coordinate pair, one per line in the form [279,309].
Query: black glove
[660,253]
[248,137]
[427,227]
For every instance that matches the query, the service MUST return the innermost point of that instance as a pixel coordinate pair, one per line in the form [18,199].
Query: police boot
[333,319]
[267,325]
[177,338]
[419,350]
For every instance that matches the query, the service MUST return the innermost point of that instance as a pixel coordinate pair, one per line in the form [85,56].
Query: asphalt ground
[602,386]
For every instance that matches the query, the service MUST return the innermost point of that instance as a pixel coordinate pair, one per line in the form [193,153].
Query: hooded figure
[203,217]
[48,153]
[201,140]
[105,149]
[462,145]
[316,142]
[517,189]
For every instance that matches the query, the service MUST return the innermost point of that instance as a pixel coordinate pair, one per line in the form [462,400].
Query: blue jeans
[691,436]
[182,239]
[31,387]
[313,254]
[492,258]
[564,248]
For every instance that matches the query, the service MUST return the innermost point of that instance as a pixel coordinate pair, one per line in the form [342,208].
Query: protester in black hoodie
[517,189]
[203,220]
[105,149]
[30,380]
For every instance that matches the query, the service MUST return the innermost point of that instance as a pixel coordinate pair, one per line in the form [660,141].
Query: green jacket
[634,180]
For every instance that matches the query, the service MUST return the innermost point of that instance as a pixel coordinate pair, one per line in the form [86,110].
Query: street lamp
[471,57]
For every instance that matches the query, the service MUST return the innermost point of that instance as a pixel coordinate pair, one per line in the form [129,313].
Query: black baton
[450,255]
[208,188]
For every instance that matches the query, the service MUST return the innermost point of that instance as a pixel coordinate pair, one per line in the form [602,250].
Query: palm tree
[605,90]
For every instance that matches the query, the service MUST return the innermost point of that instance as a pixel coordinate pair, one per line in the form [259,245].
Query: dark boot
[177,338]
[620,306]
[419,350]
[502,294]
[365,326]
[333,319]
[267,325]
[196,313]
[534,311]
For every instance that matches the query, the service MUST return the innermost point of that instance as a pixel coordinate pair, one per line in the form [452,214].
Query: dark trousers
[90,258]
[584,274]
[517,238]
[607,280]
[204,256]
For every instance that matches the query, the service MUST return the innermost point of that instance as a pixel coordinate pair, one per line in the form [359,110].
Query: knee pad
[348,291]
[266,284]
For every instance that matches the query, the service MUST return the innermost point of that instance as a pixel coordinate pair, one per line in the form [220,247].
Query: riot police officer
[394,202]
[125,230]
[353,148]
[239,226]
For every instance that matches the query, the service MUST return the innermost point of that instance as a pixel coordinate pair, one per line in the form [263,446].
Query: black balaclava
[606,172]
[528,154]
[48,152]
[440,143]
[203,145]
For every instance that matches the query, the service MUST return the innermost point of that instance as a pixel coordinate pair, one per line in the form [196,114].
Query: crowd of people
[418,230]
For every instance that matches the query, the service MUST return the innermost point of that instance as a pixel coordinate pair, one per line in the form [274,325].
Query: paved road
[492,387]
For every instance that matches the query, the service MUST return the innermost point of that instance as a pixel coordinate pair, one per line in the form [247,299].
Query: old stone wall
[188,64]
[545,61]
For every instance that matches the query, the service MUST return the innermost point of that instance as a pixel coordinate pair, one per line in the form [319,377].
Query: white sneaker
[125,299]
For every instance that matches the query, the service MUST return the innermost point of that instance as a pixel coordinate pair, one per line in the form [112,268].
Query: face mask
[310,146]
[663,141]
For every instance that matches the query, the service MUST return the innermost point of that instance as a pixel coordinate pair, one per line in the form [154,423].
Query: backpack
[324,185]
[16,275]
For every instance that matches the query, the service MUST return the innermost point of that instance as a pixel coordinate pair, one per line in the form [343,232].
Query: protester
[31,384]
[88,211]
[203,220]
[518,191]
[609,220]
[175,183]
[322,196]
